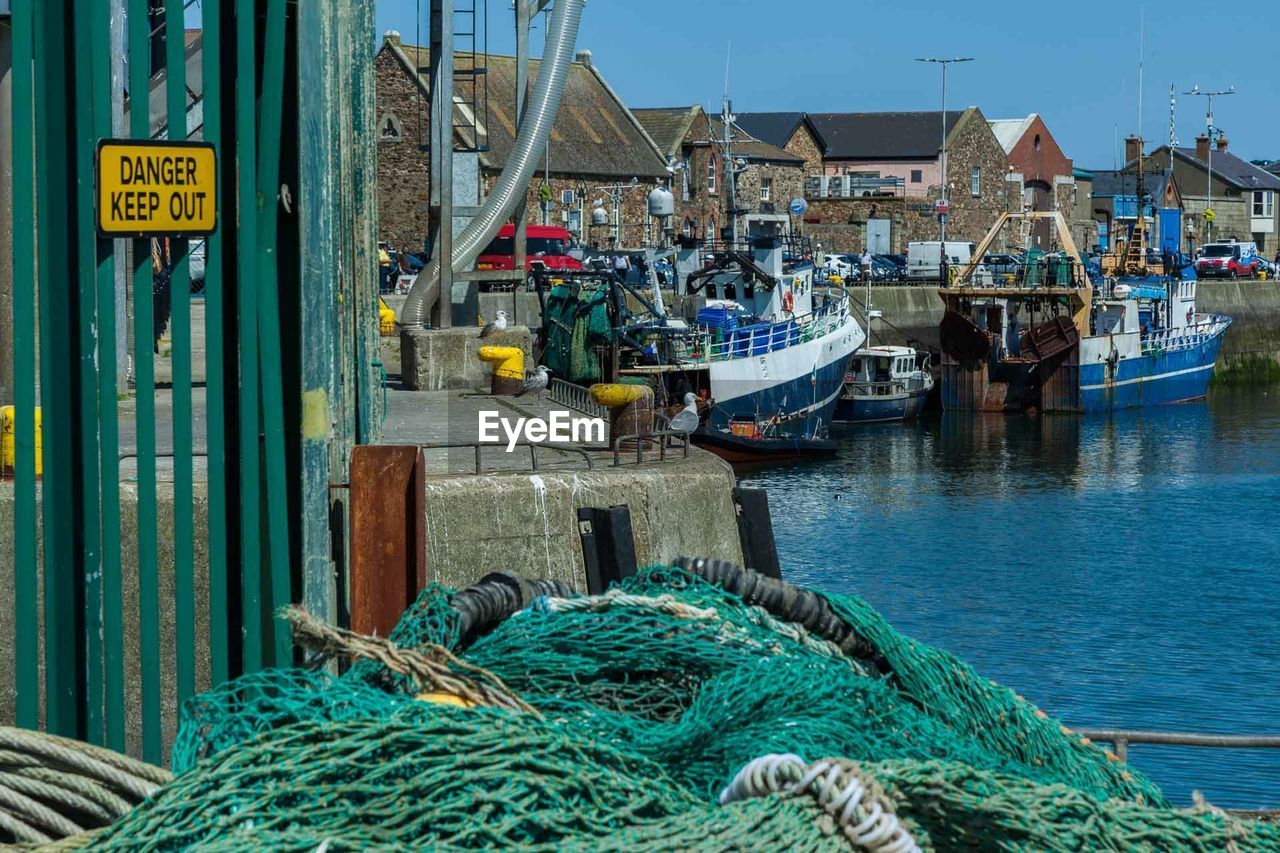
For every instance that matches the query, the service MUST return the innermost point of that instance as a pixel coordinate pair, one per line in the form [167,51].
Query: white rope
[864,813]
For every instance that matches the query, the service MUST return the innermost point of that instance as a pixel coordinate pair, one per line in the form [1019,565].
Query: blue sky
[852,55]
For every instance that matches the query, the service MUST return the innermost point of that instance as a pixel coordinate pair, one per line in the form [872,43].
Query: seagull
[687,419]
[535,384]
[498,324]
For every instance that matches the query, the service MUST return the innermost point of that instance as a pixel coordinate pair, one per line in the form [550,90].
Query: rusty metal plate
[388,534]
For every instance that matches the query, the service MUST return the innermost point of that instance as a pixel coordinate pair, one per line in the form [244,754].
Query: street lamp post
[1208,194]
[942,161]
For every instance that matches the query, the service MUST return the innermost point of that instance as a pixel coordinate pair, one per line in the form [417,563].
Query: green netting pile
[649,702]
[577,325]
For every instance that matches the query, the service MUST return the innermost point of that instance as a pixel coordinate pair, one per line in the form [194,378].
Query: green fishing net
[650,700]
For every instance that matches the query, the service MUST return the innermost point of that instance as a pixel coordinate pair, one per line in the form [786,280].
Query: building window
[1037,142]
[766,189]
[684,180]
[1263,203]
[567,198]
[711,174]
[917,176]
[975,181]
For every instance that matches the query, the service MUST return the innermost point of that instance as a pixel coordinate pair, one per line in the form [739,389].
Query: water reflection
[1116,570]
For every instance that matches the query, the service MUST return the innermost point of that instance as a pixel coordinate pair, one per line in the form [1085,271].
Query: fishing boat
[748,441]
[1047,339]
[884,383]
[755,344]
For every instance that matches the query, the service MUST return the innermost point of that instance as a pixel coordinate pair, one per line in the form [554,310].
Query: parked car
[895,266]
[1228,260]
[547,245]
[1002,263]
[884,270]
[845,266]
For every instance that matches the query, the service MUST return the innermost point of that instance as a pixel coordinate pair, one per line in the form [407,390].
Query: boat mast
[730,175]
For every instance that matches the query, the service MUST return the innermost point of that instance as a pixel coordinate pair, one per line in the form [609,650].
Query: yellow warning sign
[156,189]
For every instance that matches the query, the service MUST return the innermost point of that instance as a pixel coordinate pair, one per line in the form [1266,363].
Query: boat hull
[741,450]
[798,386]
[871,410]
[1150,380]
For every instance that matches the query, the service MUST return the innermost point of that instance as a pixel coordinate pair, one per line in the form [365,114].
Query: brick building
[1042,174]
[769,178]
[599,153]
[878,174]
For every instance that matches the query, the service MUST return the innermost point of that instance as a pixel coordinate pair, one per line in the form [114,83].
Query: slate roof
[594,133]
[1273,168]
[670,127]
[773,128]
[1239,173]
[667,126]
[748,147]
[882,136]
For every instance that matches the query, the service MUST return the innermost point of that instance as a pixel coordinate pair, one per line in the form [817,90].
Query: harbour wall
[912,312]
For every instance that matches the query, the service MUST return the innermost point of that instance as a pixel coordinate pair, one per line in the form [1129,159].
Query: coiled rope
[853,799]
[53,788]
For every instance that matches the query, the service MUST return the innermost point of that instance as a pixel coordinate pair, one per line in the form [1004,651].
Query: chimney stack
[1202,147]
[391,37]
[1222,142]
[1132,149]
[583,58]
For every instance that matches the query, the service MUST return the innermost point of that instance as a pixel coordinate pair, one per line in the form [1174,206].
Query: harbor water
[1118,571]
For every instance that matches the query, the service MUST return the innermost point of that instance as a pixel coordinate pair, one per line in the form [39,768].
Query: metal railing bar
[184,584]
[148,603]
[219,612]
[26,574]
[478,448]
[1120,739]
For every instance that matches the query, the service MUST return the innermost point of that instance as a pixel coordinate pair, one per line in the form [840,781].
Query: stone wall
[787,183]
[404,173]
[803,144]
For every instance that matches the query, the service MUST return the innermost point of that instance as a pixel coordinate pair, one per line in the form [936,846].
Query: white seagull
[535,384]
[497,324]
[687,419]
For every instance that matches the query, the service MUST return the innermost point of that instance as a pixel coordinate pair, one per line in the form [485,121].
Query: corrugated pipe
[557,56]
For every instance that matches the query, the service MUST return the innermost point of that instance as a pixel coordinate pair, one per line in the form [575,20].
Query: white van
[924,258]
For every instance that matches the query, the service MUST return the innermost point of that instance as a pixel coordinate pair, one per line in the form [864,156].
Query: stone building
[792,132]
[599,154]
[769,178]
[879,174]
[1038,168]
[1113,205]
[1244,195]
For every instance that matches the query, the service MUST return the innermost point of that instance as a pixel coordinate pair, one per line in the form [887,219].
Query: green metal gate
[227,468]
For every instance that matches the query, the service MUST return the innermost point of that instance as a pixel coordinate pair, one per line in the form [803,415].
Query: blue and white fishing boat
[1048,340]
[884,383]
[765,354]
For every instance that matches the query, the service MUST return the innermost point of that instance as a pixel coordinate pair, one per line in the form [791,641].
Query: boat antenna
[730,175]
[1140,223]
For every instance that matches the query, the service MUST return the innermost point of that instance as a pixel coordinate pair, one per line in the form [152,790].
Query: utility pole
[942,161]
[1208,193]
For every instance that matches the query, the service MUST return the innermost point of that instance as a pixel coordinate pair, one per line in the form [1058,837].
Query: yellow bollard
[630,409]
[386,319]
[508,369]
[8,450]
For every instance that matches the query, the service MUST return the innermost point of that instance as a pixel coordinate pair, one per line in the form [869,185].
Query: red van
[545,244]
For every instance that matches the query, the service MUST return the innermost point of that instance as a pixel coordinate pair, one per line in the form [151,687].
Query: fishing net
[643,706]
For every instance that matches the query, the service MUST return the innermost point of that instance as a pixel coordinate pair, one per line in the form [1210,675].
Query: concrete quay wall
[914,311]
[129,584]
[527,524]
